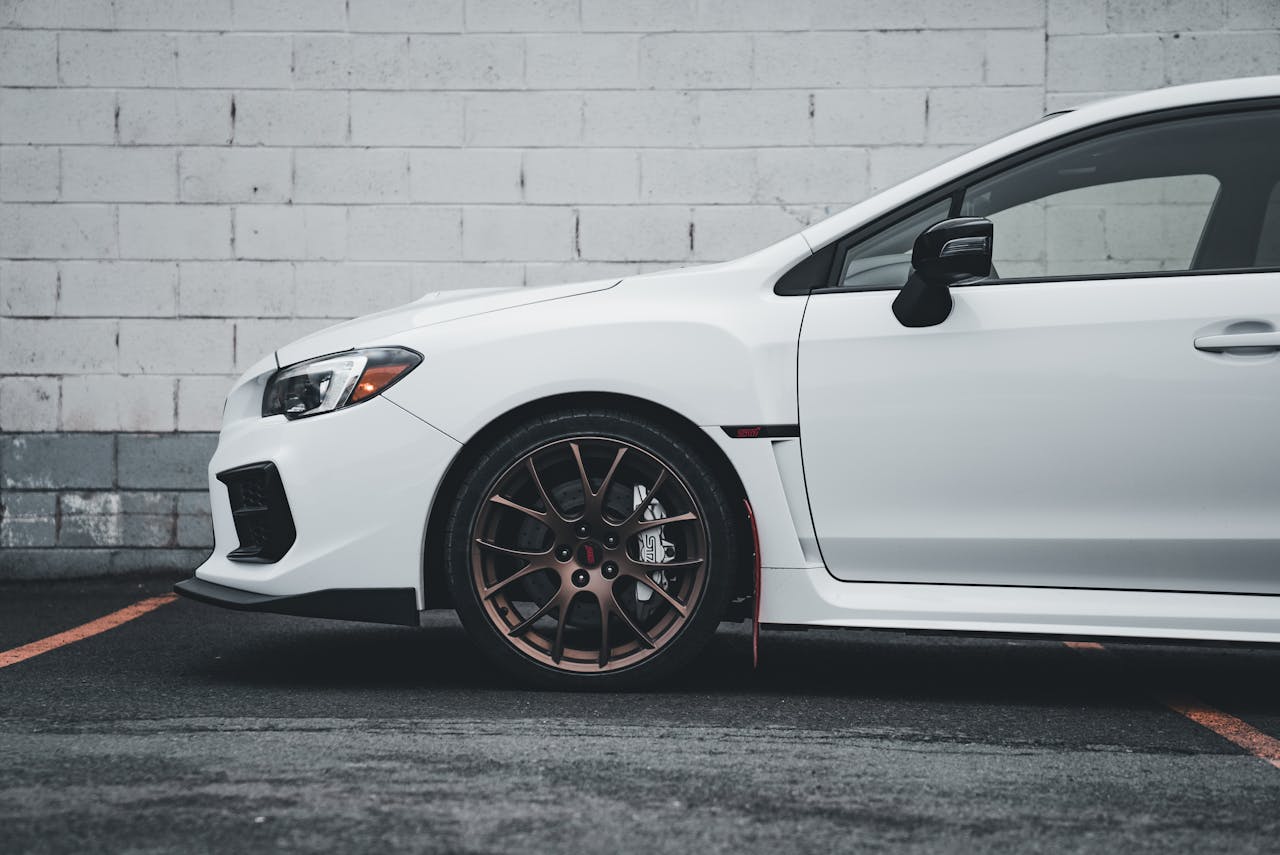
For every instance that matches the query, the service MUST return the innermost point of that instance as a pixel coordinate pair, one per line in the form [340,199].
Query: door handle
[1254,342]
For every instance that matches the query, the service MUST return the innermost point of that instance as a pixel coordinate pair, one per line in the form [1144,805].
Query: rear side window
[1269,242]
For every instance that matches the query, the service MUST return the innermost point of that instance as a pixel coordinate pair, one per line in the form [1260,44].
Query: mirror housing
[947,253]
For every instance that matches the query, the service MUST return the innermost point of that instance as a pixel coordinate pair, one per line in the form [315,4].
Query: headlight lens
[333,382]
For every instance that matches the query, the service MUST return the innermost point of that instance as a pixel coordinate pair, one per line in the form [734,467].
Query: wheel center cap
[590,554]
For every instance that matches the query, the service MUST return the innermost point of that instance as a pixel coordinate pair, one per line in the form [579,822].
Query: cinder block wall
[185,184]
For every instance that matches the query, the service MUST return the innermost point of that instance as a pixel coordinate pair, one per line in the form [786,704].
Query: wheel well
[435,586]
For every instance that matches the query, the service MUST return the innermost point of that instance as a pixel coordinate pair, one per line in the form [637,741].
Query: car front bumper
[359,485]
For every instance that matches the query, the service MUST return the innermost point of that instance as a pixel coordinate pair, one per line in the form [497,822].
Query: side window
[1141,200]
[884,259]
[1269,242]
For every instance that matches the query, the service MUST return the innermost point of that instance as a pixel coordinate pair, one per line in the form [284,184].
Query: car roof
[1048,128]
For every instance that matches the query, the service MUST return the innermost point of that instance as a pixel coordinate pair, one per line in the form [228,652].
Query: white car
[1033,390]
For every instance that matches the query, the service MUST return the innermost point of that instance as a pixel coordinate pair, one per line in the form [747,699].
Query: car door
[1102,411]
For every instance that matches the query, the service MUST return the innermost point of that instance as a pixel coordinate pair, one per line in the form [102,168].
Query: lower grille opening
[260,509]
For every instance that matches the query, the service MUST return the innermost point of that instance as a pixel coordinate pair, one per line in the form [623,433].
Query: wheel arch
[435,586]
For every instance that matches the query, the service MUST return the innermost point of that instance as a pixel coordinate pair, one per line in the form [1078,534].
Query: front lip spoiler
[374,605]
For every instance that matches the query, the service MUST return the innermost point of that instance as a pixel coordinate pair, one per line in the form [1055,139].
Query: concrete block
[165,462]
[115,289]
[474,175]
[291,118]
[57,231]
[661,233]
[28,520]
[29,173]
[697,175]
[626,16]
[195,524]
[823,59]
[235,175]
[258,338]
[637,119]
[57,116]
[528,16]
[869,116]
[466,62]
[174,231]
[1193,57]
[979,114]
[582,61]
[117,59]
[520,119]
[696,60]
[405,16]
[28,403]
[115,402]
[893,164]
[406,118]
[580,175]
[766,15]
[723,232]
[28,58]
[114,174]
[174,117]
[57,346]
[1157,16]
[1015,58]
[541,273]
[173,14]
[329,61]
[28,288]
[290,231]
[64,15]
[222,289]
[1076,17]
[404,233]
[790,175]
[340,290]
[754,118]
[57,461]
[1253,15]
[517,233]
[1105,63]
[200,401]
[290,15]
[186,346]
[449,276]
[240,60]
[911,59]
[354,175]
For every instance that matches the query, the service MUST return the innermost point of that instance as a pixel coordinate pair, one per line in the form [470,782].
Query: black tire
[687,633]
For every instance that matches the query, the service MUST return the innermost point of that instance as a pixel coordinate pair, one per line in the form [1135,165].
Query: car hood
[434,308]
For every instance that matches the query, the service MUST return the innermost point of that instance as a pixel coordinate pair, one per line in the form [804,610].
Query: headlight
[333,382]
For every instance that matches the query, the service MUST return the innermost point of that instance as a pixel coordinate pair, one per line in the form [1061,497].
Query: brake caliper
[653,548]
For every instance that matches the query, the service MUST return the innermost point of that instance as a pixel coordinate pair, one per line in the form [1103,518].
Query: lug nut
[609,570]
[580,578]
[611,542]
[582,530]
[563,553]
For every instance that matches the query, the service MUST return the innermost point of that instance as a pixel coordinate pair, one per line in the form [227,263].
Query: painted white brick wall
[186,185]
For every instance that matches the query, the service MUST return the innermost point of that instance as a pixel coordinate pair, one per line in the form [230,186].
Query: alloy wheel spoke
[643,578]
[557,647]
[523,572]
[644,525]
[587,494]
[514,553]
[542,490]
[639,509]
[639,633]
[541,516]
[523,626]
[604,631]
[603,493]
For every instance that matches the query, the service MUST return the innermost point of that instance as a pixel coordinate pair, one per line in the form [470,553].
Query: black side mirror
[945,254]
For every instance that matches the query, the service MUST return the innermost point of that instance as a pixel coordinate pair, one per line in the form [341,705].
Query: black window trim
[830,255]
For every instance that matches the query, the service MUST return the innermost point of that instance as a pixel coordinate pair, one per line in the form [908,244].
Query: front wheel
[591,550]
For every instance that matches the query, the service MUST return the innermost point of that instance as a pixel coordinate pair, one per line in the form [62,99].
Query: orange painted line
[86,630]
[1230,728]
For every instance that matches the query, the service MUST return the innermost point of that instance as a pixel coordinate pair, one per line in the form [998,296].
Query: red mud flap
[755,617]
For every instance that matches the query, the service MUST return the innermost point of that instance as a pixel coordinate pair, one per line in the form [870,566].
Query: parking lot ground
[193,729]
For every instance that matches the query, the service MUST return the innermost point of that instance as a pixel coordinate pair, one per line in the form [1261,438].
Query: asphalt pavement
[193,729]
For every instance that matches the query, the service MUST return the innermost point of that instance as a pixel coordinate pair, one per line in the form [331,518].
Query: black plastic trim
[821,274]
[761,431]
[374,605]
[273,512]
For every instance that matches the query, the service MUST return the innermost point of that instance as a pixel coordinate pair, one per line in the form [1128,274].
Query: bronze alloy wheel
[588,555]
